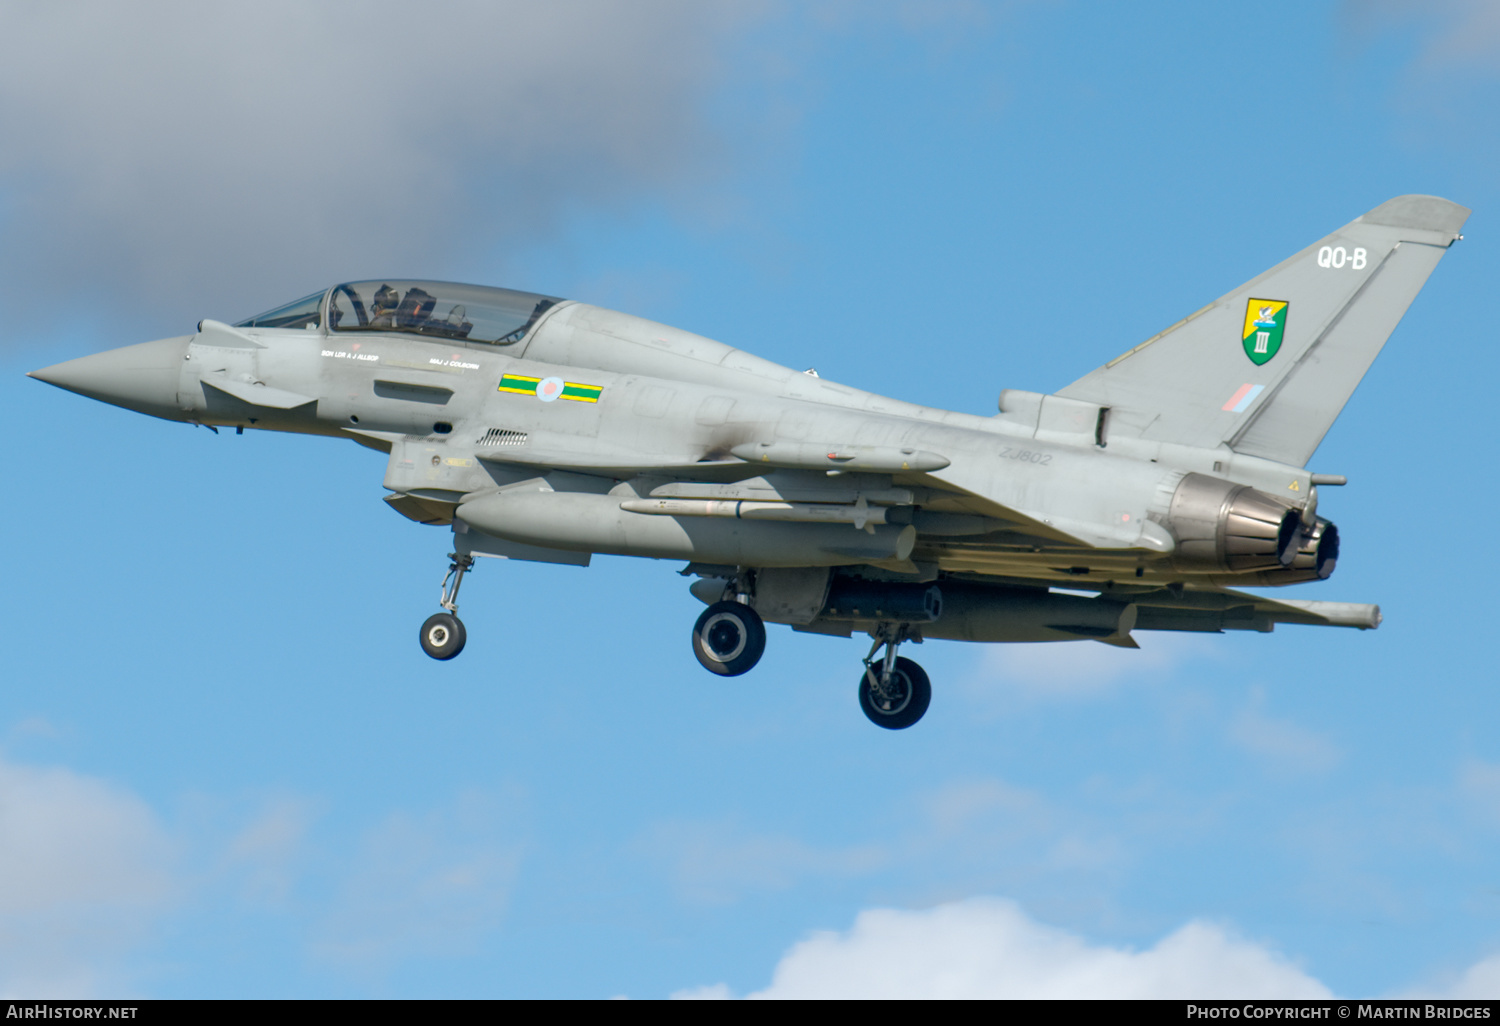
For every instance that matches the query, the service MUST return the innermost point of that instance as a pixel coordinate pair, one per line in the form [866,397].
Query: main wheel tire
[443,636]
[729,638]
[910,693]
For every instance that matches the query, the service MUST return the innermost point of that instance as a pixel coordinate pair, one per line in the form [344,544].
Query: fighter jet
[1138,498]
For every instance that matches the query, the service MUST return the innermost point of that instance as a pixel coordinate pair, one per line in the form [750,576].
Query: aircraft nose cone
[143,378]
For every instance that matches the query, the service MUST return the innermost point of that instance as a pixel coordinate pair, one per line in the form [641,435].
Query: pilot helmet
[386,300]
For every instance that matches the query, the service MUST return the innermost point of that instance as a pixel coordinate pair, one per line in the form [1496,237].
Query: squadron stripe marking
[518,384]
[521,384]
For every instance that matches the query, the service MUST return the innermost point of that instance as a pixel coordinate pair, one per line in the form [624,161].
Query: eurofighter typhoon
[1137,498]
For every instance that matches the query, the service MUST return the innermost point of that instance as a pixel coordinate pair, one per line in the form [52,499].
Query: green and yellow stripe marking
[521,384]
[518,384]
[582,393]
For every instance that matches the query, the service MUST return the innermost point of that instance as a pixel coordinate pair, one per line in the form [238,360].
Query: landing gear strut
[443,634]
[893,692]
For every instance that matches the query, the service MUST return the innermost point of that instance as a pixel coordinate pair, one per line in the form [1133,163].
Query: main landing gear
[893,692]
[730,637]
[443,634]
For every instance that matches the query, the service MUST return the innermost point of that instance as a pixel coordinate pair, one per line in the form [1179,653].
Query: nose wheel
[894,692]
[443,635]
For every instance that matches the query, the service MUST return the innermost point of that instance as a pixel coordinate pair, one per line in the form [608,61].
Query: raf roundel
[549,389]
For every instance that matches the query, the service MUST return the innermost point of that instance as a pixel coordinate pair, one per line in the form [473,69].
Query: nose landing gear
[893,692]
[443,635]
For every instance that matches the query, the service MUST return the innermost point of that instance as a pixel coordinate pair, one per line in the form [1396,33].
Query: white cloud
[168,160]
[1285,745]
[179,159]
[85,869]
[88,870]
[989,948]
[1457,30]
[1480,981]
[1444,93]
[1472,34]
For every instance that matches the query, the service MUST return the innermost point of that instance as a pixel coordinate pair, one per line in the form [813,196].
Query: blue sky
[226,769]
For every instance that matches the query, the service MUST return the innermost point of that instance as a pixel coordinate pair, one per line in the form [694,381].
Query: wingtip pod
[1426,213]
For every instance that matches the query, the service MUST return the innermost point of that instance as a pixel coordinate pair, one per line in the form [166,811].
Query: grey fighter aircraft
[1135,499]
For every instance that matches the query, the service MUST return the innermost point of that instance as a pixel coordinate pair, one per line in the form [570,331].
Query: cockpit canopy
[306,312]
[471,313]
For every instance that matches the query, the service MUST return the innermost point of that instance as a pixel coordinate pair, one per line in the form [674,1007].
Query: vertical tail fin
[1268,367]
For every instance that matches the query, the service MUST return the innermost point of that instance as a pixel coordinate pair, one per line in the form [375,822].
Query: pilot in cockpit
[383,307]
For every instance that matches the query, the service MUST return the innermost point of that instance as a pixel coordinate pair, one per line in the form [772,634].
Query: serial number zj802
[1041,459]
